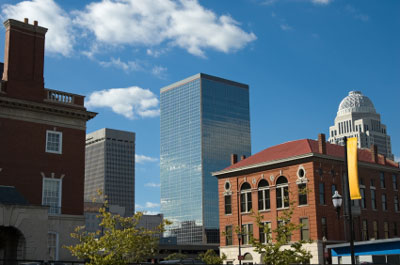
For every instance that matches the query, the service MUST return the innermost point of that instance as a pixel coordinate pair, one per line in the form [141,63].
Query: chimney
[374,153]
[242,157]
[234,159]
[321,143]
[24,59]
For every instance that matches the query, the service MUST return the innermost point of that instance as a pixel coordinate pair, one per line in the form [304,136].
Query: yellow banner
[352,168]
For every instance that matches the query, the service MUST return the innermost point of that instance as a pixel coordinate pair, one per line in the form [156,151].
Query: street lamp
[337,202]
[240,235]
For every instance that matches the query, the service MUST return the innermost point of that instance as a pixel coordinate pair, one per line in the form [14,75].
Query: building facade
[42,152]
[110,167]
[203,120]
[357,117]
[268,180]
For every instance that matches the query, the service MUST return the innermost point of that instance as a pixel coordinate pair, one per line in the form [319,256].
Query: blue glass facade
[204,119]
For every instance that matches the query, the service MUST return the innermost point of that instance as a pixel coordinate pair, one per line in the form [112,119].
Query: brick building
[262,181]
[42,152]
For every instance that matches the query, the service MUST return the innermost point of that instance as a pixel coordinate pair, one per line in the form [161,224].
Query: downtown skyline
[299,58]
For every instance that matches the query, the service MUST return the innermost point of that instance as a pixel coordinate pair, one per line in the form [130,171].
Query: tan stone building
[42,152]
[260,183]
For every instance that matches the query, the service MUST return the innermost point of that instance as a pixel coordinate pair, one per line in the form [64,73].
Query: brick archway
[12,245]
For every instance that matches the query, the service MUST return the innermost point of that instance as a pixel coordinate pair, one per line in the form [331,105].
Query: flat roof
[205,76]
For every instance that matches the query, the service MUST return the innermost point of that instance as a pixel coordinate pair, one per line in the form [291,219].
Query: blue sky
[299,57]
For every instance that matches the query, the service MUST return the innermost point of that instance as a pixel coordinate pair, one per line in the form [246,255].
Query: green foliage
[120,240]
[175,256]
[278,250]
[210,257]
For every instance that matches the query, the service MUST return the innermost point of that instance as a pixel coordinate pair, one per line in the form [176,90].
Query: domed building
[357,117]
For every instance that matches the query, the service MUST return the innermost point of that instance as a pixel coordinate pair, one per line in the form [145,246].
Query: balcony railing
[64,97]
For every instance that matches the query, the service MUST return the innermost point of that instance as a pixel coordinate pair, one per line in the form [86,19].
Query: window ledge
[303,205]
[265,211]
[281,209]
[228,214]
[245,213]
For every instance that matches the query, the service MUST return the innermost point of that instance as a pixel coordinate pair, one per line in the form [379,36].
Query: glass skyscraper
[204,119]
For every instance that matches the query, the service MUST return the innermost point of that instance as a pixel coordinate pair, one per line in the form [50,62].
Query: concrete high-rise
[110,167]
[357,117]
[204,119]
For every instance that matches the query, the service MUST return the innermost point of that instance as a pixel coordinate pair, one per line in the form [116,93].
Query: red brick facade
[27,111]
[323,165]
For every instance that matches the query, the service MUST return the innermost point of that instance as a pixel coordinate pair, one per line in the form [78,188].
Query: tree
[276,251]
[210,257]
[120,240]
[174,256]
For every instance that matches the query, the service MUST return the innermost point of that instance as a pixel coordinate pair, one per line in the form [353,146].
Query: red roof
[305,146]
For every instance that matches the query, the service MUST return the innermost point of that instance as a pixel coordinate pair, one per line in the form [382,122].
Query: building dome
[356,102]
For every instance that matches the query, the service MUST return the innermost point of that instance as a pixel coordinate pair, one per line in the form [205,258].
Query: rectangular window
[281,224]
[305,229]
[302,189]
[264,202]
[373,199]
[265,232]
[333,189]
[228,235]
[52,245]
[364,230]
[372,183]
[53,142]
[396,203]
[375,229]
[228,204]
[384,204]
[395,233]
[363,202]
[394,181]
[245,202]
[247,233]
[51,194]
[382,179]
[321,193]
[386,229]
[324,227]
[282,197]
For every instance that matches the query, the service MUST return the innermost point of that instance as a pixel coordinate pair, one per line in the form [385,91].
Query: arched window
[245,198]
[282,192]
[247,259]
[263,196]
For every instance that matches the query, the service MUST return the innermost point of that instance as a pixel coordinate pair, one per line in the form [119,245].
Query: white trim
[292,158]
[59,143]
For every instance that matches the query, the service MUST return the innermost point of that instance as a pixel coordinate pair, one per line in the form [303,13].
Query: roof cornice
[298,157]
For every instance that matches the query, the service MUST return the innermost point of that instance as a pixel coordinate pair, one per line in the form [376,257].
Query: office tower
[357,117]
[42,153]
[204,119]
[110,167]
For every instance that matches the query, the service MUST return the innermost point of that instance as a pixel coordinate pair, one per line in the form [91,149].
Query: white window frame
[263,191]
[58,210]
[246,193]
[269,224]
[59,144]
[246,233]
[56,246]
[280,188]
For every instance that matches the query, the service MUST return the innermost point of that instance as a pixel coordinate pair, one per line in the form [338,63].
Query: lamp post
[239,234]
[337,202]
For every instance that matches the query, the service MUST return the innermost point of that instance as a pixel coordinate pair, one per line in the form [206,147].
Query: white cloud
[151,212]
[152,185]
[147,205]
[60,37]
[130,102]
[185,24]
[285,27]
[126,66]
[143,159]
[159,71]
[152,205]
[397,159]
[321,2]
